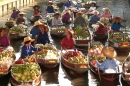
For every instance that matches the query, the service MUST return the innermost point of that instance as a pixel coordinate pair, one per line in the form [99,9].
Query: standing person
[14,14]
[20,19]
[67,4]
[68,41]
[79,20]
[116,24]
[38,28]
[50,8]
[56,20]
[4,39]
[110,63]
[27,49]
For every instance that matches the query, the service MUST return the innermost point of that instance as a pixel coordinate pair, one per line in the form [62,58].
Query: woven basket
[13,35]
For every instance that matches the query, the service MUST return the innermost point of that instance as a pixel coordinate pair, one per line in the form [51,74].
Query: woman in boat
[110,63]
[14,14]
[66,17]
[93,6]
[50,8]
[67,4]
[116,25]
[68,41]
[27,49]
[79,4]
[94,18]
[36,12]
[21,19]
[56,20]
[4,39]
[39,27]
[106,14]
[79,20]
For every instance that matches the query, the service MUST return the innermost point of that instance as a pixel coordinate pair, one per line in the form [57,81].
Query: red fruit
[19,62]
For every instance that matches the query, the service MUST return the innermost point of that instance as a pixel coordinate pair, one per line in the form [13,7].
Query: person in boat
[66,18]
[116,24]
[94,18]
[67,4]
[56,20]
[101,29]
[14,14]
[110,63]
[20,19]
[27,49]
[79,20]
[4,39]
[93,6]
[68,41]
[79,4]
[39,27]
[106,14]
[50,8]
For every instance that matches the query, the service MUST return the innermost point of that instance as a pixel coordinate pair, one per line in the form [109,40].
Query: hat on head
[22,13]
[27,39]
[50,2]
[57,13]
[95,12]
[38,23]
[70,31]
[79,1]
[106,9]
[117,18]
[109,52]
[79,13]
[36,6]
[100,23]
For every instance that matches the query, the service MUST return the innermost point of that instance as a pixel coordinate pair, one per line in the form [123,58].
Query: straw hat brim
[117,17]
[105,9]
[28,39]
[79,13]
[101,23]
[109,52]
[22,13]
[70,31]
[38,23]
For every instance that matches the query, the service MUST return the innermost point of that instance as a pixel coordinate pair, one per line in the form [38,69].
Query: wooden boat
[99,37]
[17,32]
[49,57]
[7,58]
[10,23]
[76,67]
[120,41]
[107,78]
[25,73]
[58,31]
[126,70]
[82,36]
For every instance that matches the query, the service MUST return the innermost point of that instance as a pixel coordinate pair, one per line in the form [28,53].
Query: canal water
[61,76]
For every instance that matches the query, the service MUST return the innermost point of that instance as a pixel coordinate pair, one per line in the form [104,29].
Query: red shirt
[67,43]
[101,30]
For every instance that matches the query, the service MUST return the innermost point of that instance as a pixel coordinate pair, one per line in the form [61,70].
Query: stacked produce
[25,71]
[95,53]
[17,29]
[7,58]
[47,52]
[59,29]
[82,33]
[75,57]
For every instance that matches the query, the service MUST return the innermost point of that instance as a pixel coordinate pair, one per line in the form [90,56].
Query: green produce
[17,29]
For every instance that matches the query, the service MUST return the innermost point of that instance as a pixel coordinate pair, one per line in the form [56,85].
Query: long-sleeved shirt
[101,30]
[66,16]
[14,15]
[108,64]
[106,15]
[34,31]
[116,26]
[50,9]
[67,43]
[28,51]
[94,19]
[56,22]
[67,4]
[79,5]
[43,38]
[4,41]
[79,21]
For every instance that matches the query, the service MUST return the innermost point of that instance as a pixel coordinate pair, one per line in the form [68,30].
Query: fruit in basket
[20,61]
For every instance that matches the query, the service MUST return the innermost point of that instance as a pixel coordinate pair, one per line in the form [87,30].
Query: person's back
[101,30]
[50,9]
[34,31]
[79,21]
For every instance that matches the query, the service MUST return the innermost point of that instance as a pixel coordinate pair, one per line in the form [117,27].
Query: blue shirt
[79,5]
[94,19]
[116,26]
[68,4]
[50,9]
[27,51]
[34,31]
[107,64]
[43,38]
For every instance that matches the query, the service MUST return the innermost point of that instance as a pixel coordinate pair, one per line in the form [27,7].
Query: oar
[99,74]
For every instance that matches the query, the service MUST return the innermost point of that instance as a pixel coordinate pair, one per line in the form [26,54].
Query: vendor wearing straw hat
[39,26]
[20,19]
[116,25]
[50,8]
[68,42]
[110,62]
[27,49]
[79,20]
